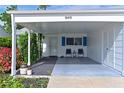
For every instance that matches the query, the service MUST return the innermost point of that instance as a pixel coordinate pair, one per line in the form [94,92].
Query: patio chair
[80,53]
[68,53]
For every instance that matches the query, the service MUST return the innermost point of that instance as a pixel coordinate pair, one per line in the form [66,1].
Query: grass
[7,81]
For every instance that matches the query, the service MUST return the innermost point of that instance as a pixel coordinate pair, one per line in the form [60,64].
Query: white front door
[108,48]
[53,46]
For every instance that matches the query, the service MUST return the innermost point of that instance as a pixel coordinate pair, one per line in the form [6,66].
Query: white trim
[67,11]
[13,65]
[29,48]
[34,18]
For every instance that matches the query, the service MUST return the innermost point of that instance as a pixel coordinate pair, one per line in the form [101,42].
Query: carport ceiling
[64,27]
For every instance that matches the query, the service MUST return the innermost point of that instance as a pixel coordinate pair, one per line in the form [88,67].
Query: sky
[64,7]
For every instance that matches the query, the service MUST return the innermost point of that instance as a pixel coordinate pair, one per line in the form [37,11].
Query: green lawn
[6,81]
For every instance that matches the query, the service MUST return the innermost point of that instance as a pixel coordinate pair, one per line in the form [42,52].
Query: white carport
[104,29]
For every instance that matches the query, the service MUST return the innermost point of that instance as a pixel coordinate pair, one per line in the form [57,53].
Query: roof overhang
[63,16]
[40,21]
[68,12]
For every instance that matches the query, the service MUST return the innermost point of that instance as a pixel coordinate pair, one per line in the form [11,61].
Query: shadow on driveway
[44,66]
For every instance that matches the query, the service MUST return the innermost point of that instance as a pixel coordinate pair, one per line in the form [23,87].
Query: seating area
[74,53]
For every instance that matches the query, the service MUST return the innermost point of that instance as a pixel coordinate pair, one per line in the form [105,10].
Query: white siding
[95,46]
[118,49]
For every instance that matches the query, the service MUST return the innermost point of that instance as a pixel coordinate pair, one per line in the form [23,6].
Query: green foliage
[40,44]
[5,42]
[7,81]
[34,82]
[23,46]
[6,19]
[36,48]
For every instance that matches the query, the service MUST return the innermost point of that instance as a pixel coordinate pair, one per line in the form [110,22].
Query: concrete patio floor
[81,67]
[85,82]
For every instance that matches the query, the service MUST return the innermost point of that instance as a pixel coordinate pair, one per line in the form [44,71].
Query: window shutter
[84,41]
[63,41]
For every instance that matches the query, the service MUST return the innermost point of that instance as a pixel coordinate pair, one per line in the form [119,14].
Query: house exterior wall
[46,47]
[114,56]
[94,45]
[61,50]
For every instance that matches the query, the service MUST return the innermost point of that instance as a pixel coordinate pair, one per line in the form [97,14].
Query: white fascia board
[26,19]
[67,12]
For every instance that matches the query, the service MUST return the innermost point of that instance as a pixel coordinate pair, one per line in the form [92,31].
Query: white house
[99,33]
[3,33]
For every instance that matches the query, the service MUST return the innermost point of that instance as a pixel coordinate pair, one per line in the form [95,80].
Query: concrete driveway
[85,82]
[81,67]
[83,73]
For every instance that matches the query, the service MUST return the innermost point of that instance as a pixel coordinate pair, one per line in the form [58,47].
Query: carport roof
[82,21]
[67,12]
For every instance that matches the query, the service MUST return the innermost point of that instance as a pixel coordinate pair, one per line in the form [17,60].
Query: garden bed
[6,81]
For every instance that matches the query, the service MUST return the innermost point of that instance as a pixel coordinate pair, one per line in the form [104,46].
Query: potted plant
[23,69]
[29,71]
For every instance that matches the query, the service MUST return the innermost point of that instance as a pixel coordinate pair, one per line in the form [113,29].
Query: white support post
[123,50]
[13,65]
[29,48]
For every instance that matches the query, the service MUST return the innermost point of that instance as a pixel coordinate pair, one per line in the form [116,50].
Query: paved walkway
[86,82]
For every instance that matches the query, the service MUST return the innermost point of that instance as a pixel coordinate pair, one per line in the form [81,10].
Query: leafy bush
[34,82]
[35,46]
[5,42]
[5,59]
[23,46]
[7,81]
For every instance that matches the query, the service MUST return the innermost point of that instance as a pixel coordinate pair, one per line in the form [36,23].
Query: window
[69,41]
[73,41]
[78,41]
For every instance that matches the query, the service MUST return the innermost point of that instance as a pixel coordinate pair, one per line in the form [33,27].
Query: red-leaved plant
[6,57]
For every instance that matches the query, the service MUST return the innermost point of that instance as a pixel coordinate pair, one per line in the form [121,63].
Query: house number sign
[68,17]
